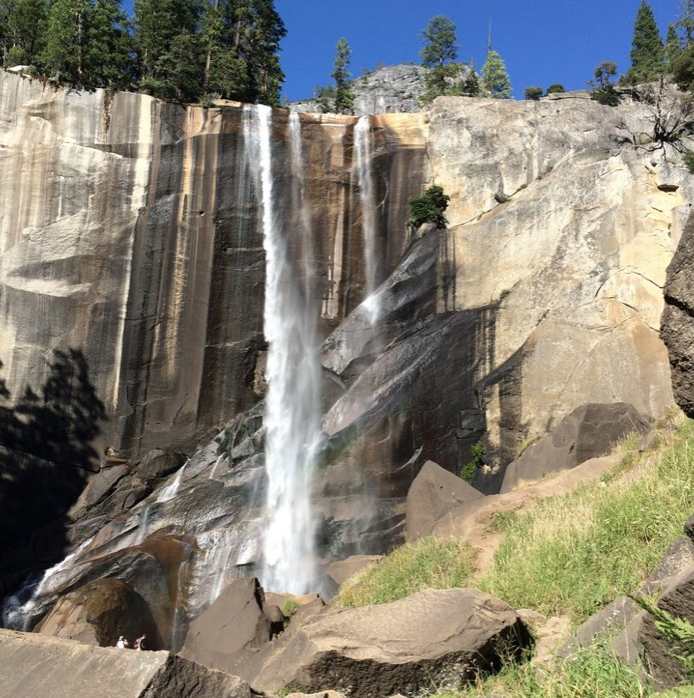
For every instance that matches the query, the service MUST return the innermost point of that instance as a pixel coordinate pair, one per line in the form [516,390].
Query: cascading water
[363,149]
[292,402]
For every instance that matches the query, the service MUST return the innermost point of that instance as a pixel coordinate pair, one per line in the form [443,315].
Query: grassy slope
[569,555]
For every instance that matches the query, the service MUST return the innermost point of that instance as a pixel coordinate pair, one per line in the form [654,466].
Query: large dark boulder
[233,627]
[34,665]
[98,613]
[433,494]
[429,640]
[677,322]
[590,431]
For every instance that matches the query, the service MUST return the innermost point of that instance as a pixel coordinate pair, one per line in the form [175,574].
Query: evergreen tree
[647,52]
[495,78]
[344,97]
[326,99]
[24,33]
[471,87]
[673,46]
[66,40]
[159,23]
[685,24]
[108,46]
[438,55]
[603,90]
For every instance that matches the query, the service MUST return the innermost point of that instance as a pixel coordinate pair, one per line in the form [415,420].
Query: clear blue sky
[542,41]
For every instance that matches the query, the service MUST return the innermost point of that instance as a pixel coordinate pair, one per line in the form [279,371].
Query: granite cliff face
[130,235]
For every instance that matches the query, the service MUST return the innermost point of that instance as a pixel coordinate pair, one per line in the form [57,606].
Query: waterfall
[292,402]
[363,148]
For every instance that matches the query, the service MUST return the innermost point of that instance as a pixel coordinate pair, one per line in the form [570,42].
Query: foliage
[593,672]
[344,97]
[66,40]
[678,632]
[495,77]
[501,198]
[23,25]
[574,553]
[289,608]
[533,92]
[108,52]
[426,564]
[647,52]
[326,99]
[438,55]
[685,23]
[555,88]
[603,90]
[689,161]
[673,45]
[477,461]
[682,69]
[471,86]
[429,208]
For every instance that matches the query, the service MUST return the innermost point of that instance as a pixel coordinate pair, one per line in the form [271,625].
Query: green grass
[591,673]
[426,564]
[572,554]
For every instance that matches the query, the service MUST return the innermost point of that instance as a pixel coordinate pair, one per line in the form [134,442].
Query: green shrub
[555,88]
[426,564]
[593,672]
[289,608]
[429,208]
[533,92]
[689,161]
[469,469]
[501,198]
[572,554]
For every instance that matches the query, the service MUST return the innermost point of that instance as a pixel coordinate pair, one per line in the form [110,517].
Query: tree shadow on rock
[46,456]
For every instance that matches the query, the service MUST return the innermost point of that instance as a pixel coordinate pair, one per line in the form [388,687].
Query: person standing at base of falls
[122,643]
[140,642]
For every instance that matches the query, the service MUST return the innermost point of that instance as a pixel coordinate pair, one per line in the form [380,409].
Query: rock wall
[128,230]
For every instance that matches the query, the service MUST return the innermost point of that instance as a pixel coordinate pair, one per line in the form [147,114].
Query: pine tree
[438,55]
[495,78]
[158,24]
[108,46]
[344,97]
[685,24]
[673,46]
[24,35]
[66,40]
[471,86]
[647,53]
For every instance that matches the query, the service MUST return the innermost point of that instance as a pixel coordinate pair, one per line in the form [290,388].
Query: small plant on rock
[533,93]
[469,469]
[429,208]
[555,88]
[603,90]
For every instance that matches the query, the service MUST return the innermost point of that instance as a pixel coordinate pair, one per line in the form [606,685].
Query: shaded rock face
[35,665]
[432,637]
[99,613]
[234,625]
[590,431]
[677,325]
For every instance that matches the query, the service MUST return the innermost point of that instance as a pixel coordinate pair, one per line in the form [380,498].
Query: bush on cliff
[429,208]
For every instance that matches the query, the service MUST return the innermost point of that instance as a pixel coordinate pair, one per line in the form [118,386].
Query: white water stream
[363,148]
[292,402]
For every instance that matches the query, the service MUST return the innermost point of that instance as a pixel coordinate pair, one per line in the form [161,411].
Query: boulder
[590,431]
[677,322]
[159,463]
[433,494]
[432,638]
[35,665]
[98,613]
[233,627]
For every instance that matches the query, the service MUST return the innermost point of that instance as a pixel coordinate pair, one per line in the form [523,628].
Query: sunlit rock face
[128,229]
